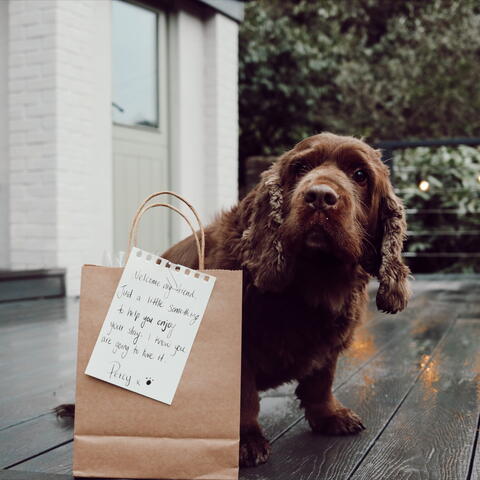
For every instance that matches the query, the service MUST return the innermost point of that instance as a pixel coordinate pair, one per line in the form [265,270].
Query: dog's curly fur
[306,273]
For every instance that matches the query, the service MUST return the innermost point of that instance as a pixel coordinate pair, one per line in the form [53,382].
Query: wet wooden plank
[30,438]
[58,460]
[277,406]
[30,406]
[35,346]
[18,475]
[36,378]
[37,357]
[375,393]
[26,323]
[25,315]
[378,331]
[432,434]
[36,387]
[278,412]
[38,368]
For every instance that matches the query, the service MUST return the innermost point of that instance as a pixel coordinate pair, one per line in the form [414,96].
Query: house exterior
[101,103]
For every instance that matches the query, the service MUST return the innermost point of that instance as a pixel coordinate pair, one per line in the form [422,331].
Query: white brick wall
[75,89]
[221,112]
[4,163]
[59,134]
[32,142]
[204,113]
[187,108]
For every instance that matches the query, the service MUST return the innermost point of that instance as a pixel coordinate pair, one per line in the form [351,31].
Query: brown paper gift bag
[121,434]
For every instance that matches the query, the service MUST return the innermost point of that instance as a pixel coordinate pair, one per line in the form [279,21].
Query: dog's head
[331,196]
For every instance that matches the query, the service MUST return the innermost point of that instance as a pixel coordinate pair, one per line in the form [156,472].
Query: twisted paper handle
[132,239]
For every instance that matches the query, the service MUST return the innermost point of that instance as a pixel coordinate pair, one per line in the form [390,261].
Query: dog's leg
[324,412]
[254,447]
[66,410]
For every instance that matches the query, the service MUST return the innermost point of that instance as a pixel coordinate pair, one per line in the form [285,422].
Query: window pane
[134,69]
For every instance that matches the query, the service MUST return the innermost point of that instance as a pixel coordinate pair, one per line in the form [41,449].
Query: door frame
[164,80]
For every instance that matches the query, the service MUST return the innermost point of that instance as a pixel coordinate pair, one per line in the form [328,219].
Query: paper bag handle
[132,239]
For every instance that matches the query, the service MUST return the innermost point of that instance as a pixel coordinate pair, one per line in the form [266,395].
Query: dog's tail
[66,410]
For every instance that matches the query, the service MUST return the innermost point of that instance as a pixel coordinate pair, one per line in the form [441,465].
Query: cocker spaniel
[321,221]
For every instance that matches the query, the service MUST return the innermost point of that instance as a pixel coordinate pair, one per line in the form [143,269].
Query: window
[134,65]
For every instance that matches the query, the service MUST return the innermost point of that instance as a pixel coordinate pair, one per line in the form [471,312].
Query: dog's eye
[360,176]
[299,168]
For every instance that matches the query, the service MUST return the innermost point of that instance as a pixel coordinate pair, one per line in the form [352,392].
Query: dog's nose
[321,196]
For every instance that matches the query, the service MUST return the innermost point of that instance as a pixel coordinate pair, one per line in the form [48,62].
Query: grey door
[139,113]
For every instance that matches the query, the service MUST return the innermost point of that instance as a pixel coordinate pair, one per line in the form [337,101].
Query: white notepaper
[150,327]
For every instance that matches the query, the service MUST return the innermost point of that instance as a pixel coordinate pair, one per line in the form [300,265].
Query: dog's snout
[321,196]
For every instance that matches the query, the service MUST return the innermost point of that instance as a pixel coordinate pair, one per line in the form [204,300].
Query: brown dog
[323,218]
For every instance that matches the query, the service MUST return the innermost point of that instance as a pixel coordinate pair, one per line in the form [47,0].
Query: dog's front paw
[342,421]
[254,449]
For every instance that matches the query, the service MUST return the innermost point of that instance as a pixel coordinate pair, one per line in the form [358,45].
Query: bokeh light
[424,186]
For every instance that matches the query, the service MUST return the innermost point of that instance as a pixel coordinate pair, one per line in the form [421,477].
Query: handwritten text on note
[150,327]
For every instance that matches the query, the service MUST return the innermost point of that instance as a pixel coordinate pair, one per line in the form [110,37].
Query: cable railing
[450,233]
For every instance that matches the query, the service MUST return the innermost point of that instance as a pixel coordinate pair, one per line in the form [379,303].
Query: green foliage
[453,175]
[383,69]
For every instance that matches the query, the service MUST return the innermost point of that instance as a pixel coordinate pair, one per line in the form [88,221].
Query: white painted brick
[40,163]
[19,164]
[17,138]
[37,137]
[38,110]
[38,57]
[15,112]
[17,86]
[221,115]
[16,59]
[20,45]
[48,15]
[37,30]
[30,16]
[20,151]
[24,71]
[48,69]
[16,8]
[53,108]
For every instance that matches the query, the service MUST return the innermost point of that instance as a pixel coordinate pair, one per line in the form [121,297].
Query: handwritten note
[150,327]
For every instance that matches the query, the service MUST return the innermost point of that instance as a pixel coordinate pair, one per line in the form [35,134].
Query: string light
[424,186]
[478,179]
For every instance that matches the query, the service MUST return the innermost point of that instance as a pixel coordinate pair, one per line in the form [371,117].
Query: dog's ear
[264,251]
[388,266]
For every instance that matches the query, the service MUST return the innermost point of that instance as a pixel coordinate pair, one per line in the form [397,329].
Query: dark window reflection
[135,65]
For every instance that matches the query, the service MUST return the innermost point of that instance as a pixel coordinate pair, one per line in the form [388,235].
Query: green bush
[383,69]
[450,205]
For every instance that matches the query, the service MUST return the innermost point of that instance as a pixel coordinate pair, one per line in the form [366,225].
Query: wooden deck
[414,378]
